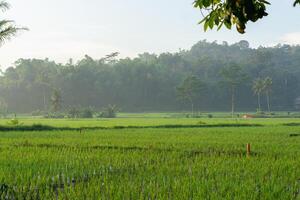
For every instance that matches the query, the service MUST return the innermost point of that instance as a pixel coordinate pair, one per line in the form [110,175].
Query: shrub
[73,112]
[37,113]
[54,115]
[109,112]
[14,122]
[86,113]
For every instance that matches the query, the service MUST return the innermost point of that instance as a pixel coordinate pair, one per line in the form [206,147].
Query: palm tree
[8,29]
[258,88]
[268,82]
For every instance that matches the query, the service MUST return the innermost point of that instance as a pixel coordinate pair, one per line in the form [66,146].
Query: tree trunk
[268,102]
[44,98]
[192,106]
[232,101]
[258,101]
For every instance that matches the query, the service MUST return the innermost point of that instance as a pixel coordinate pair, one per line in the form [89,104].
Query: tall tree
[56,100]
[233,76]
[268,82]
[43,79]
[8,29]
[189,89]
[258,87]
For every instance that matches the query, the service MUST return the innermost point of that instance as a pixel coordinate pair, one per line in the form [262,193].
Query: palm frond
[7,27]
[4,5]
[5,23]
[8,31]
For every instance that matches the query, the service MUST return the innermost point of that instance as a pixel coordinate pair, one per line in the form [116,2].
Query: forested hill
[149,82]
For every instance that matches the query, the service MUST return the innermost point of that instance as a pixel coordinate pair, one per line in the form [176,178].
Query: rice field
[152,163]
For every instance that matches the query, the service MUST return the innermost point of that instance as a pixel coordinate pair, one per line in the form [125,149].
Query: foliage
[231,12]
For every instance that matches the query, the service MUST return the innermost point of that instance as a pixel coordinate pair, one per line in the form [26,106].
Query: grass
[77,123]
[156,162]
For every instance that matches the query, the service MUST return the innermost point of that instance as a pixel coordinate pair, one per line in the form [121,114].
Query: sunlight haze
[99,27]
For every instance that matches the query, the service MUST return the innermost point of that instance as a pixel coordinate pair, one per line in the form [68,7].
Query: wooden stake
[248,149]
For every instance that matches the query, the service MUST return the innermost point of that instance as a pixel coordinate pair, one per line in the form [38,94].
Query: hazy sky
[62,29]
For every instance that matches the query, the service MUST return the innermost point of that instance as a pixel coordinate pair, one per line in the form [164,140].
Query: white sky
[63,29]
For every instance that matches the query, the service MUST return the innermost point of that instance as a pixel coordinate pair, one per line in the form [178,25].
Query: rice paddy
[155,162]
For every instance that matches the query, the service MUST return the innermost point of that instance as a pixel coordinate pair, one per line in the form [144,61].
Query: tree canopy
[232,12]
[149,82]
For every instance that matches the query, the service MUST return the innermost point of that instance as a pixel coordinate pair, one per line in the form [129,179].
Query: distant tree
[190,89]
[3,107]
[110,58]
[8,29]
[268,82]
[56,100]
[43,79]
[232,12]
[258,87]
[233,76]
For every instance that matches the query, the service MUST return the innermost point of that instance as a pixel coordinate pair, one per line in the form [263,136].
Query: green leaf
[206,24]
[228,25]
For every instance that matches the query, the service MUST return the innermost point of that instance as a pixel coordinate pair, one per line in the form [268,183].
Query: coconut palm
[258,88]
[8,29]
[268,82]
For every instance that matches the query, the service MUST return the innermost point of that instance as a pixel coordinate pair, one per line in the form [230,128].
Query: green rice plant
[151,163]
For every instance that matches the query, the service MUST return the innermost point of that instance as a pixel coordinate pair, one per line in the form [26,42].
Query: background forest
[150,82]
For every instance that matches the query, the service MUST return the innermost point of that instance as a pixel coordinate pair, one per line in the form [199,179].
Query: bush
[109,112]
[73,112]
[37,113]
[86,113]
[54,115]
[201,123]
[14,122]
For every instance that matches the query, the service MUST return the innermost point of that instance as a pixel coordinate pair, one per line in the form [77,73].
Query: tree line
[208,77]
